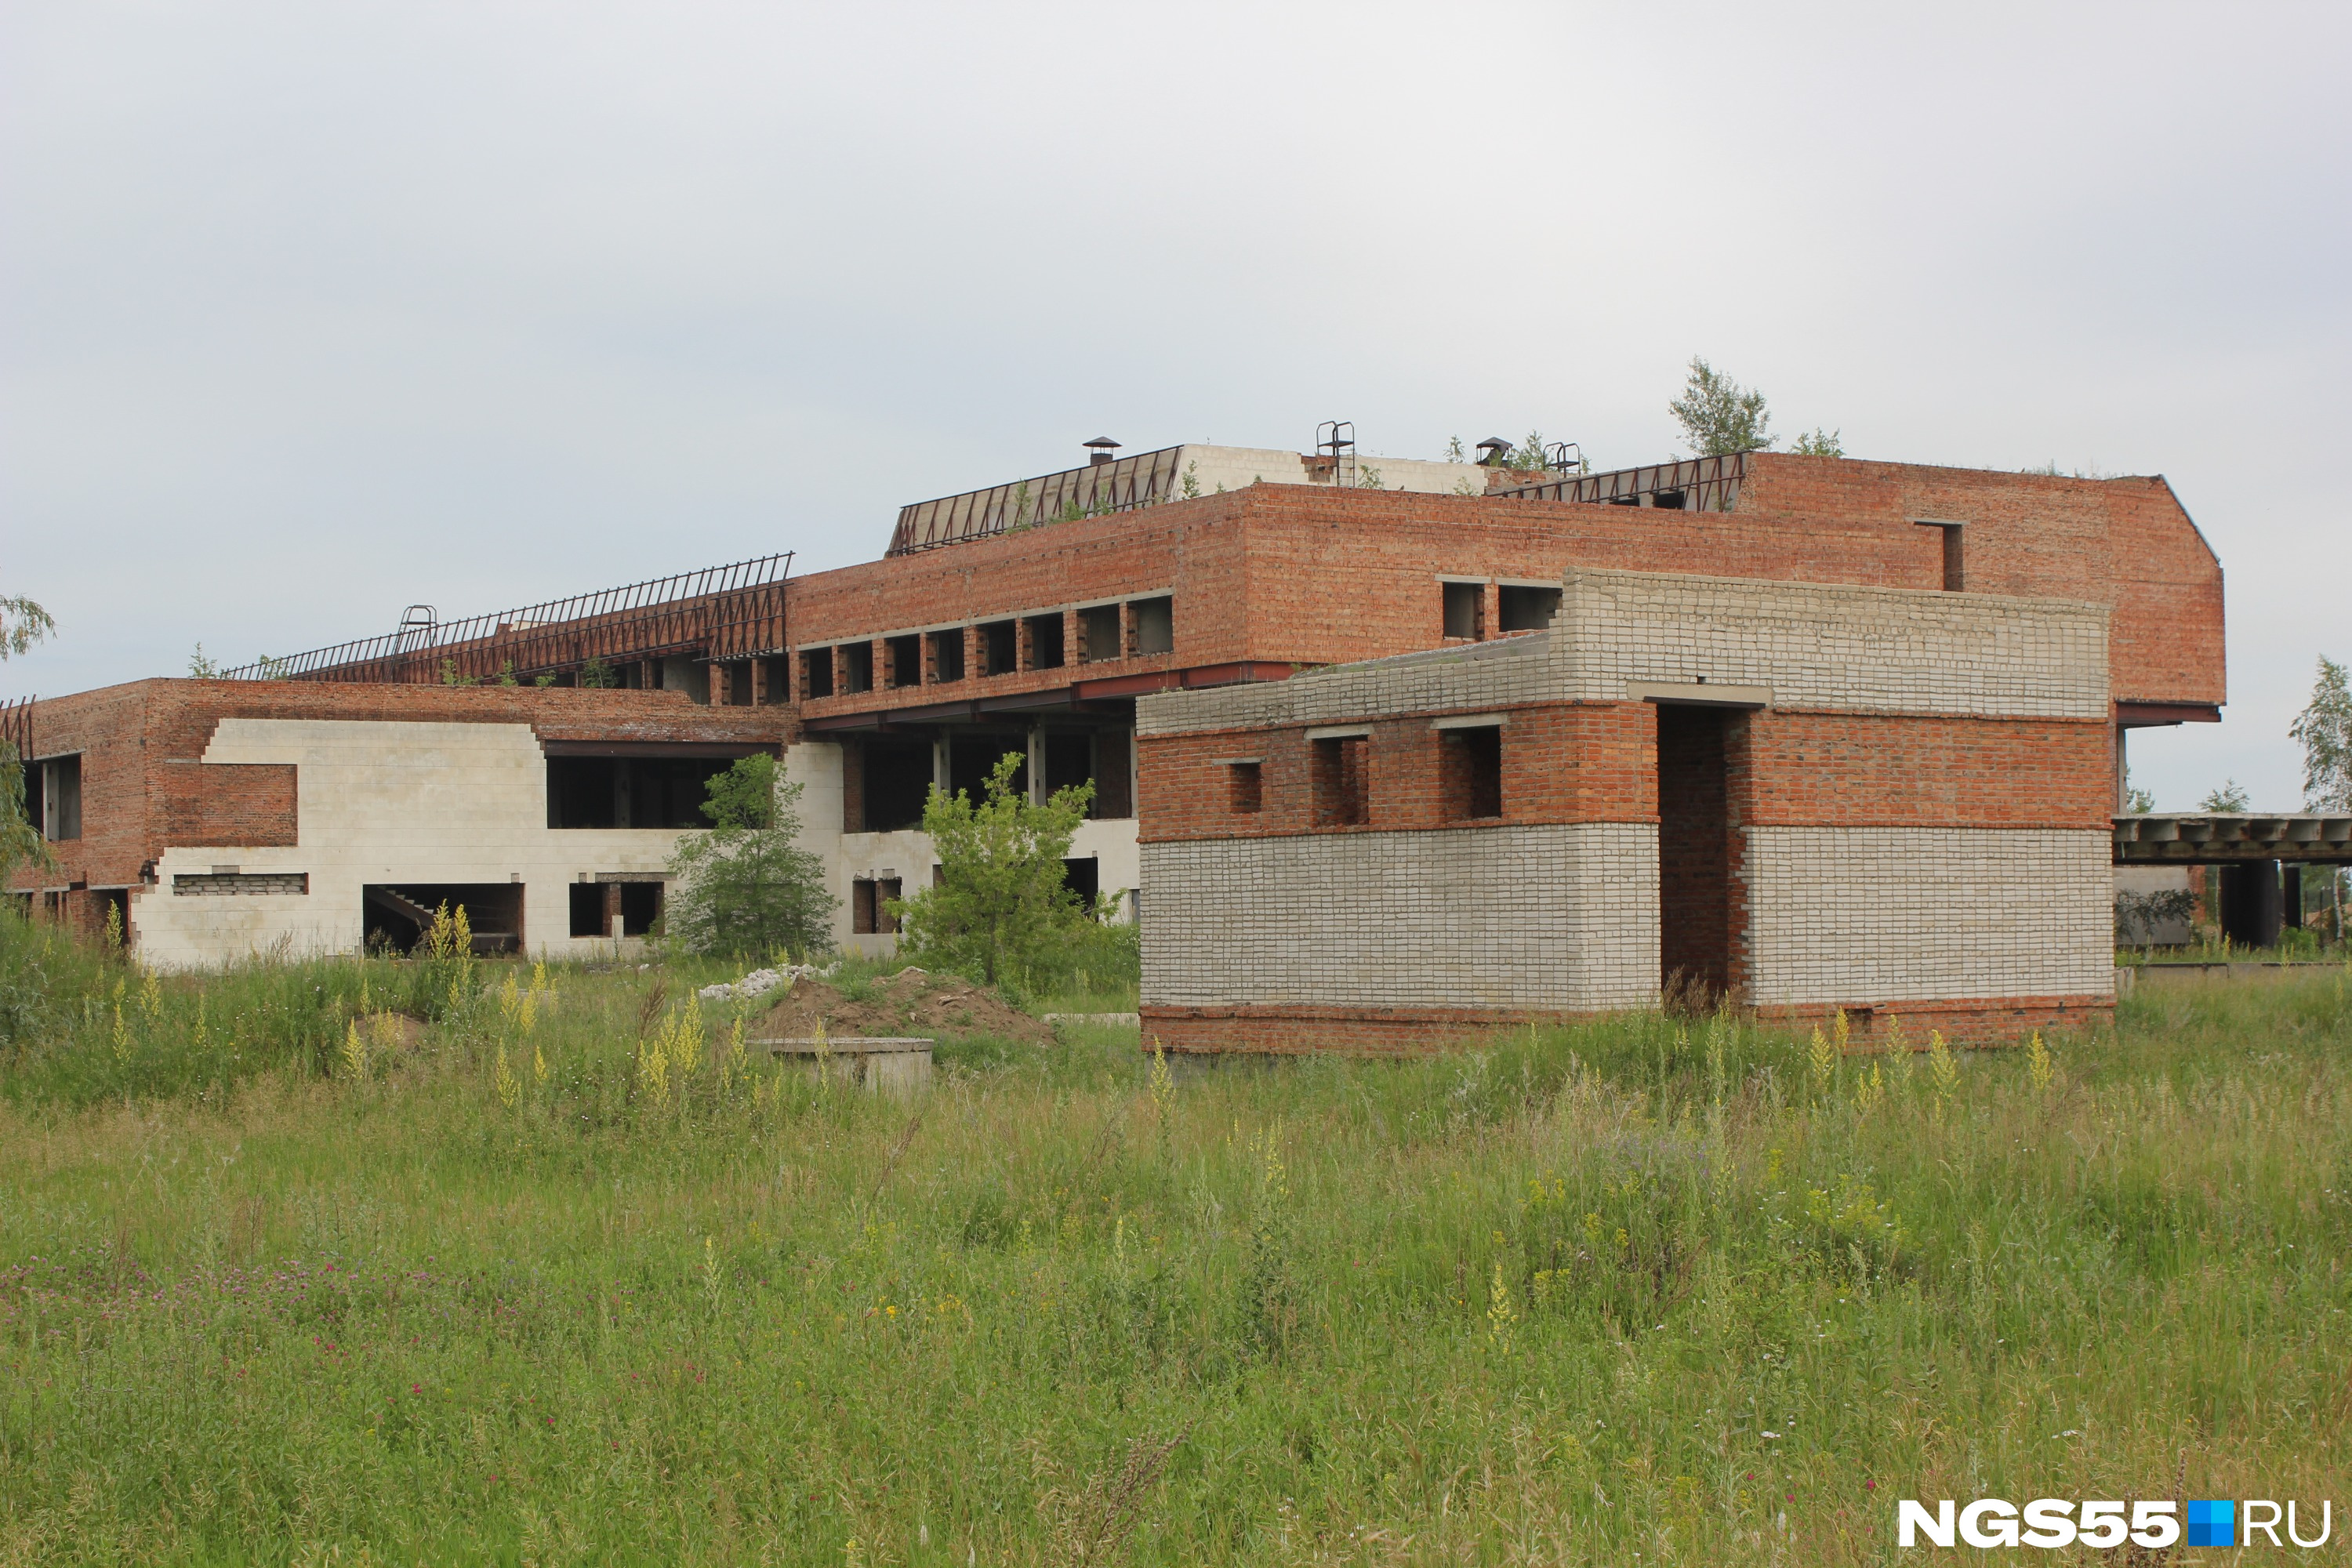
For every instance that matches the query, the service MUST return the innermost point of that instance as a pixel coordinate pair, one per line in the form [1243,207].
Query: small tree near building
[746,889]
[1001,901]
[1719,415]
[2325,728]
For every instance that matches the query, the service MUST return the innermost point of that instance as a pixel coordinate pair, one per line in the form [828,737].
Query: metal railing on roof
[1696,484]
[729,612]
[1144,480]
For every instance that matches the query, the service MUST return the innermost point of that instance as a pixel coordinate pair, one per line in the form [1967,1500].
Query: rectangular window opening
[1000,648]
[1470,786]
[1114,785]
[869,906]
[56,783]
[906,660]
[1526,609]
[1955,561]
[1155,625]
[947,656]
[896,781]
[1099,626]
[1244,788]
[1465,607]
[1069,762]
[630,791]
[1337,780]
[1045,651]
[816,674]
[858,667]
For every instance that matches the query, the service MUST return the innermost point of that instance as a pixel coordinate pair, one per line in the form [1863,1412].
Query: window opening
[1099,625]
[816,673]
[869,906]
[1083,876]
[1470,762]
[59,806]
[1526,609]
[1114,788]
[947,656]
[973,754]
[897,780]
[905,657]
[398,915]
[1155,625]
[1337,780]
[1466,605]
[999,647]
[1046,650]
[1069,761]
[1244,788]
[630,791]
[1955,561]
[858,667]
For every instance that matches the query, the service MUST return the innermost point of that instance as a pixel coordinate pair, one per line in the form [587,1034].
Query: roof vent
[1099,449]
[1499,453]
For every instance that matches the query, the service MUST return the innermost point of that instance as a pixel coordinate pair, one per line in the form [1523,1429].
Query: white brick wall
[1874,916]
[1536,917]
[1847,649]
[1816,645]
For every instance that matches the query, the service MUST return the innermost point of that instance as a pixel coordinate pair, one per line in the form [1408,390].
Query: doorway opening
[1696,917]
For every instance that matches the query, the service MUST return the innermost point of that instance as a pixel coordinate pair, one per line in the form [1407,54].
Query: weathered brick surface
[146,786]
[1845,854]
[1300,573]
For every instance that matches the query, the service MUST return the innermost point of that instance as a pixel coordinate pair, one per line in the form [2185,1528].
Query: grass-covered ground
[496,1287]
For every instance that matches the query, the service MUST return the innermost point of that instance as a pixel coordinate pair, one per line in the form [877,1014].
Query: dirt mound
[911,1002]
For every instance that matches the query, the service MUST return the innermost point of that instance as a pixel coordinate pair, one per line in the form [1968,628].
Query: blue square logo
[2212,1521]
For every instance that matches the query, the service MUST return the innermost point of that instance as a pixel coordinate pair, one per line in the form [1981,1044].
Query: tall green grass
[1688,1290]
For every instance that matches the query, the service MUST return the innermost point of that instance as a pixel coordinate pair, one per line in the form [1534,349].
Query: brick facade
[153,781]
[1935,842]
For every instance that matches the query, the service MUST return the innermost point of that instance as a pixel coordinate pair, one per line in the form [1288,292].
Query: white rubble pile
[760,982]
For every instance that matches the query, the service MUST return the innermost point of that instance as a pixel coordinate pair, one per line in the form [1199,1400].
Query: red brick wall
[1598,763]
[1300,575]
[145,786]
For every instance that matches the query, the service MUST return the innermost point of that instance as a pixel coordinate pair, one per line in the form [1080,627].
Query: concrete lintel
[1471,722]
[1339,732]
[1698,691]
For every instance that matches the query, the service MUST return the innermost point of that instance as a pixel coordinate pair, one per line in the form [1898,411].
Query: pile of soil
[911,1002]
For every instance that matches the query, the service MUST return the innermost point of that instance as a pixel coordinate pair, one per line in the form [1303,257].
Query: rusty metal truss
[1699,484]
[17,725]
[731,611]
[1145,480]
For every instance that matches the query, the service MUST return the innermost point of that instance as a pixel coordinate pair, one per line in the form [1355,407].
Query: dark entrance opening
[398,915]
[2254,905]
[1695,915]
[897,780]
[972,756]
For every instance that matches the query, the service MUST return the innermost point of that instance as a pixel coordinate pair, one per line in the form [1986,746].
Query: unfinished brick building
[1032,617]
[1804,797]
[221,818]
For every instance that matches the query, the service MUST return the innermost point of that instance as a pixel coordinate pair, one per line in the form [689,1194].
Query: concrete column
[613,910]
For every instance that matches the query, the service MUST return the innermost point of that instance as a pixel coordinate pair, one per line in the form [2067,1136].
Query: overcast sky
[309,311]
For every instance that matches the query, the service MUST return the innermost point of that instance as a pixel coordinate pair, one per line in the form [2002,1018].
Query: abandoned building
[1809,796]
[218,819]
[1034,616]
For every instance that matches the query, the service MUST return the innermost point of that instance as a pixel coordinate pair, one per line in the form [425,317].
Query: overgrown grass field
[557,1275]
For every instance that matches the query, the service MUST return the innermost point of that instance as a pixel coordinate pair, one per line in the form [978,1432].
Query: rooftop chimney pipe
[1099,450]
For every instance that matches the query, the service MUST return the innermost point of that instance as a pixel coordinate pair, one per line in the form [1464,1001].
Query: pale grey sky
[311,310]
